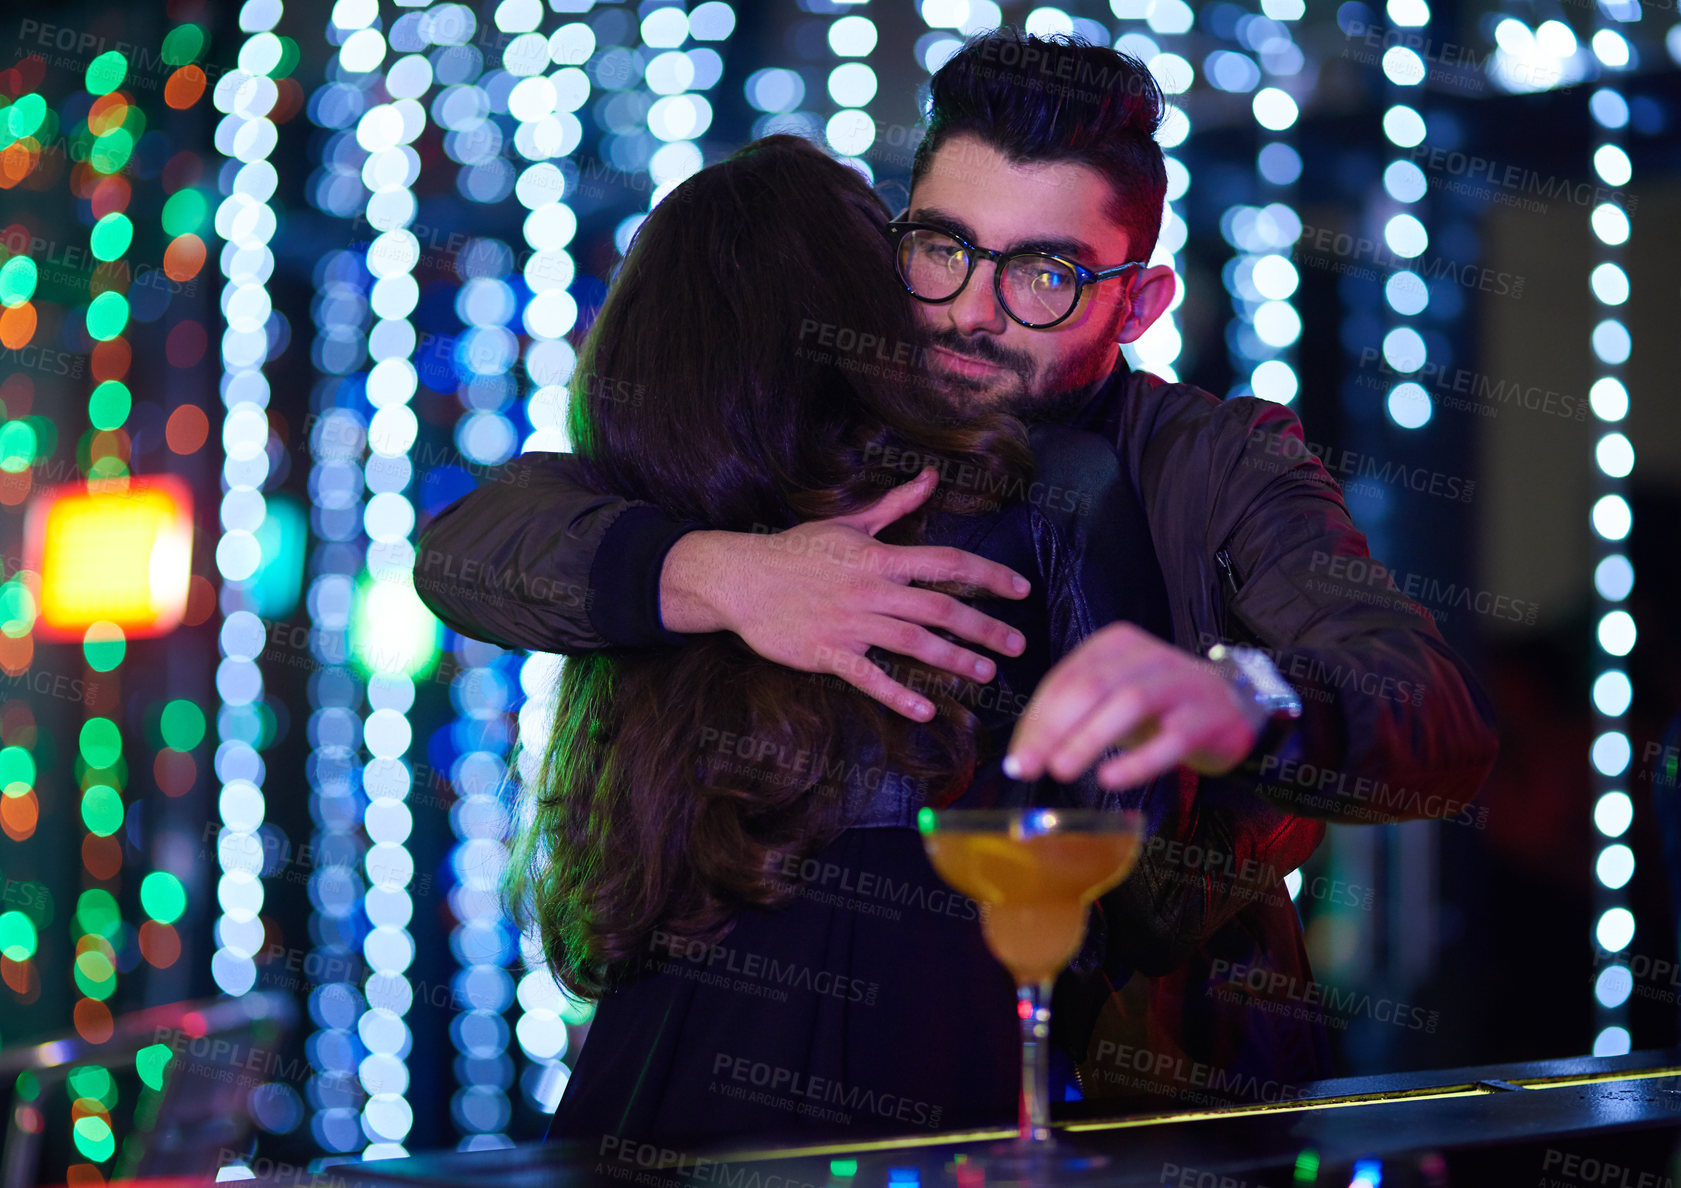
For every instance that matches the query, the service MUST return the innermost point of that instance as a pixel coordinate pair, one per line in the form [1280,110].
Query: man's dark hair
[1046,99]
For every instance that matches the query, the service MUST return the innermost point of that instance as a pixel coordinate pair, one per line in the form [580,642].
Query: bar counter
[1611,1121]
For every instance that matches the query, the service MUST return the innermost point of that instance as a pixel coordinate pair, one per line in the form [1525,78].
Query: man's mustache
[983,348]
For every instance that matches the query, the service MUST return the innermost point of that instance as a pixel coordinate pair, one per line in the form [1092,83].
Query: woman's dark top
[870,1004]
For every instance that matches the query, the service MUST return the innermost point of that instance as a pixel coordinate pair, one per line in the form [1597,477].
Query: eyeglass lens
[1035,288]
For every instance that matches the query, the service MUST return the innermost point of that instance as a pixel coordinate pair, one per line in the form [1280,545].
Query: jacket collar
[1094,414]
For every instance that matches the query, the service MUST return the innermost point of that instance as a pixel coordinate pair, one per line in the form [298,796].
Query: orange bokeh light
[107,113]
[102,856]
[110,195]
[174,771]
[160,944]
[184,87]
[183,257]
[17,326]
[119,550]
[19,815]
[187,429]
[111,359]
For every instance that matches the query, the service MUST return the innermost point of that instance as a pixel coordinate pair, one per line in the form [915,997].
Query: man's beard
[1055,397]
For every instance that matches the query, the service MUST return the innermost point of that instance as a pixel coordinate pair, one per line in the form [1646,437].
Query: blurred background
[281,278]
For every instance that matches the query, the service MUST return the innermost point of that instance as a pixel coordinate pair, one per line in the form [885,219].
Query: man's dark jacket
[1209,994]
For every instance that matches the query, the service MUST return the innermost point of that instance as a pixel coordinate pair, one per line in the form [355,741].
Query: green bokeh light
[96,912]
[17,609]
[17,766]
[107,315]
[18,277]
[104,645]
[17,936]
[109,404]
[95,975]
[163,896]
[18,446]
[101,742]
[102,809]
[182,724]
[24,117]
[111,151]
[95,1081]
[46,434]
[94,1138]
[184,43]
[184,211]
[111,236]
[289,55]
[106,73]
[151,1063]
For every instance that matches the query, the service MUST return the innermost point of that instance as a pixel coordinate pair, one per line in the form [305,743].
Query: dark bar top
[1610,1122]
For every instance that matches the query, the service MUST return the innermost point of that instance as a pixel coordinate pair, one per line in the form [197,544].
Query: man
[1036,199]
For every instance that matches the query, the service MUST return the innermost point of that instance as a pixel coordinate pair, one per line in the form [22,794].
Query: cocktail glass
[1035,871]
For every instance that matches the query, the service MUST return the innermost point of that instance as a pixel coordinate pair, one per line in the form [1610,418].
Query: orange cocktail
[1037,887]
[1035,872]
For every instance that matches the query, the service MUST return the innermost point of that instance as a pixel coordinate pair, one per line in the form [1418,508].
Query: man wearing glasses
[1036,200]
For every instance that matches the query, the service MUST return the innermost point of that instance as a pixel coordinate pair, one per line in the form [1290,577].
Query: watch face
[1271,690]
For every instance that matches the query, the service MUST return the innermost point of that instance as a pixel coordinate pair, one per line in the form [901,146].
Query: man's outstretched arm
[535,559]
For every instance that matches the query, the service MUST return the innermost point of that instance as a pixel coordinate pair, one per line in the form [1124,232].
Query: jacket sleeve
[535,559]
[1211,850]
[1395,726]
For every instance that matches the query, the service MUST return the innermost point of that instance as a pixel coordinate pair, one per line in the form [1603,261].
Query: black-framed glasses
[1036,289]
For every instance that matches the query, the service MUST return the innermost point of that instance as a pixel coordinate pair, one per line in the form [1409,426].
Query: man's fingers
[1074,687]
[908,639]
[1119,714]
[862,674]
[900,501]
[1161,754]
[941,563]
[934,609]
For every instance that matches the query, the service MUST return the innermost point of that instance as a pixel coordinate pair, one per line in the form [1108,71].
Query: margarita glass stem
[1033,1006]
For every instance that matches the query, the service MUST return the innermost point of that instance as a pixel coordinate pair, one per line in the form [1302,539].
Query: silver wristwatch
[1269,701]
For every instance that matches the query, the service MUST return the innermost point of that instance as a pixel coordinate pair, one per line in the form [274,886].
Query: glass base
[1046,1161]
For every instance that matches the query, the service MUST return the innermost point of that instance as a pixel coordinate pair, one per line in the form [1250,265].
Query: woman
[722,849]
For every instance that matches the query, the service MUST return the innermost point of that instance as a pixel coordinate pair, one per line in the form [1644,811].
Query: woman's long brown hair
[756,364]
